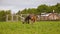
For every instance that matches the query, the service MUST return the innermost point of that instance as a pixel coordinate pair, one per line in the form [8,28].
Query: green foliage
[42,8]
[57,7]
[19,12]
[3,14]
[32,10]
[24,11]
[29,11]
[8,12]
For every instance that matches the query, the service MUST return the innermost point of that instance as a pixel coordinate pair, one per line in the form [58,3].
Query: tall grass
[42,27]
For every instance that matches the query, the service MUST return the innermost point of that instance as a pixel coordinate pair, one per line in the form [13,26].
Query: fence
[22,17]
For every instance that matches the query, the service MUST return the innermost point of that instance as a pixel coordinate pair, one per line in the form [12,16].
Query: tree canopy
[41,9]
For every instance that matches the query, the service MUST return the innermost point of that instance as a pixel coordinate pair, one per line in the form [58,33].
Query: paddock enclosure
[41,27]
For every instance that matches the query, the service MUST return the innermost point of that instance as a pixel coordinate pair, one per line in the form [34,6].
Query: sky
[15,5]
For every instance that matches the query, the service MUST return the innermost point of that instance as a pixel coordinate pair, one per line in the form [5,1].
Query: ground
[42,27]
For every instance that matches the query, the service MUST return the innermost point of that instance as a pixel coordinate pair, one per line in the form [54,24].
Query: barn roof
[47,14]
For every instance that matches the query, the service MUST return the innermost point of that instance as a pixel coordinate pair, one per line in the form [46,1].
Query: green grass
[42,27]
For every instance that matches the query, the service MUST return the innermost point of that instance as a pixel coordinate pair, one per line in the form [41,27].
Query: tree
[42,8]
[24,11]
[19,12]
[8,12]
[2,15]
[57,7]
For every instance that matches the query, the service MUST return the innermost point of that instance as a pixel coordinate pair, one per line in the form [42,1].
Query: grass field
[42,27]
